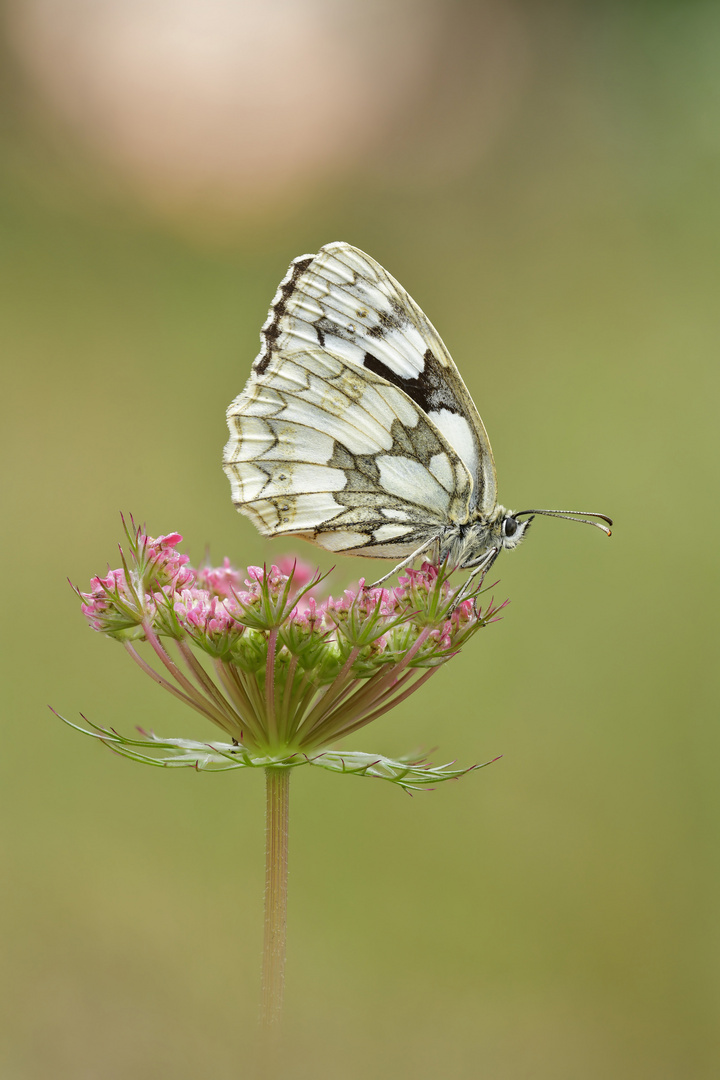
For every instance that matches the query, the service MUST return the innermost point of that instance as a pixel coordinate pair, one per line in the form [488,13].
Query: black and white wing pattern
[355,429]
[338,455]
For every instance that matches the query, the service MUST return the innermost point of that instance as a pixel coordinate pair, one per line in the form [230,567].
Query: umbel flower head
[283,674]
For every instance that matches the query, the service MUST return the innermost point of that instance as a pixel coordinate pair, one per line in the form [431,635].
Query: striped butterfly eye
[509,526]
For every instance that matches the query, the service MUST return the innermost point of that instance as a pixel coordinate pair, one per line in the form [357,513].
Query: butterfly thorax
[465,544]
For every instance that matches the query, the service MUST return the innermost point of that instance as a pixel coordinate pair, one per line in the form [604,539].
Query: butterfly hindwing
[339,455]
[344,302]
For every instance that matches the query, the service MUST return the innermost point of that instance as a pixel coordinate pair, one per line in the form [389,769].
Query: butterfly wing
[337,454]
[342,301]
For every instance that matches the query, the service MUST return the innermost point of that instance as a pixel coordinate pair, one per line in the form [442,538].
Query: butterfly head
[505,529]
[510,530]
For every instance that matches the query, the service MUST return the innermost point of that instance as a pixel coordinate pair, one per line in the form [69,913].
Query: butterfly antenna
[583,517]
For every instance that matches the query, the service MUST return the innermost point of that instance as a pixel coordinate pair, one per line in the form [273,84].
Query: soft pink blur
[238,102]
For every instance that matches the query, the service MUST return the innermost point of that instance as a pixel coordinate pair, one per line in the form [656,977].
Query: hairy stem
[277,787]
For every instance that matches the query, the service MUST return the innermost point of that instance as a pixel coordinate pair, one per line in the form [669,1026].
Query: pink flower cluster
[215,604]
[290,664]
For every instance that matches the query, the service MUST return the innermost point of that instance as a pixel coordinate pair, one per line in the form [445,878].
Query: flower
[283,673]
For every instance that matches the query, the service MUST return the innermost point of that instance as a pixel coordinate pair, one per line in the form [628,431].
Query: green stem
[277,781]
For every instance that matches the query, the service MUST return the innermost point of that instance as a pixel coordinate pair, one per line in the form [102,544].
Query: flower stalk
[277,806]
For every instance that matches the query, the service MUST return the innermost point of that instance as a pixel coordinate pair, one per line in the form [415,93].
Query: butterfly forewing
[343,302]
[337,454]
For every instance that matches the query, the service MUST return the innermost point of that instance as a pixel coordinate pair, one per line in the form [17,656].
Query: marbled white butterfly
[356,431]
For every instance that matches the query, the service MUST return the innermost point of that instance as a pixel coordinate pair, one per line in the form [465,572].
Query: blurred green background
[543,178]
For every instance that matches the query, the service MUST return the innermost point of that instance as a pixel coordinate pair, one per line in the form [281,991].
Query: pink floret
[222,580]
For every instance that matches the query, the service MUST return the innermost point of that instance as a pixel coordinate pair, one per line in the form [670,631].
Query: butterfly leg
[483,565]
[406,562]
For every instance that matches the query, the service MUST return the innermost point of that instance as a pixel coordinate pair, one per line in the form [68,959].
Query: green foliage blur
[554,916]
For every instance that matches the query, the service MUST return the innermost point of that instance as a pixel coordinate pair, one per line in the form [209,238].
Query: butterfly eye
[510,526]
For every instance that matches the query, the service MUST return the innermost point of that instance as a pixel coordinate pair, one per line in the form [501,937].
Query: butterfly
[355,430]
